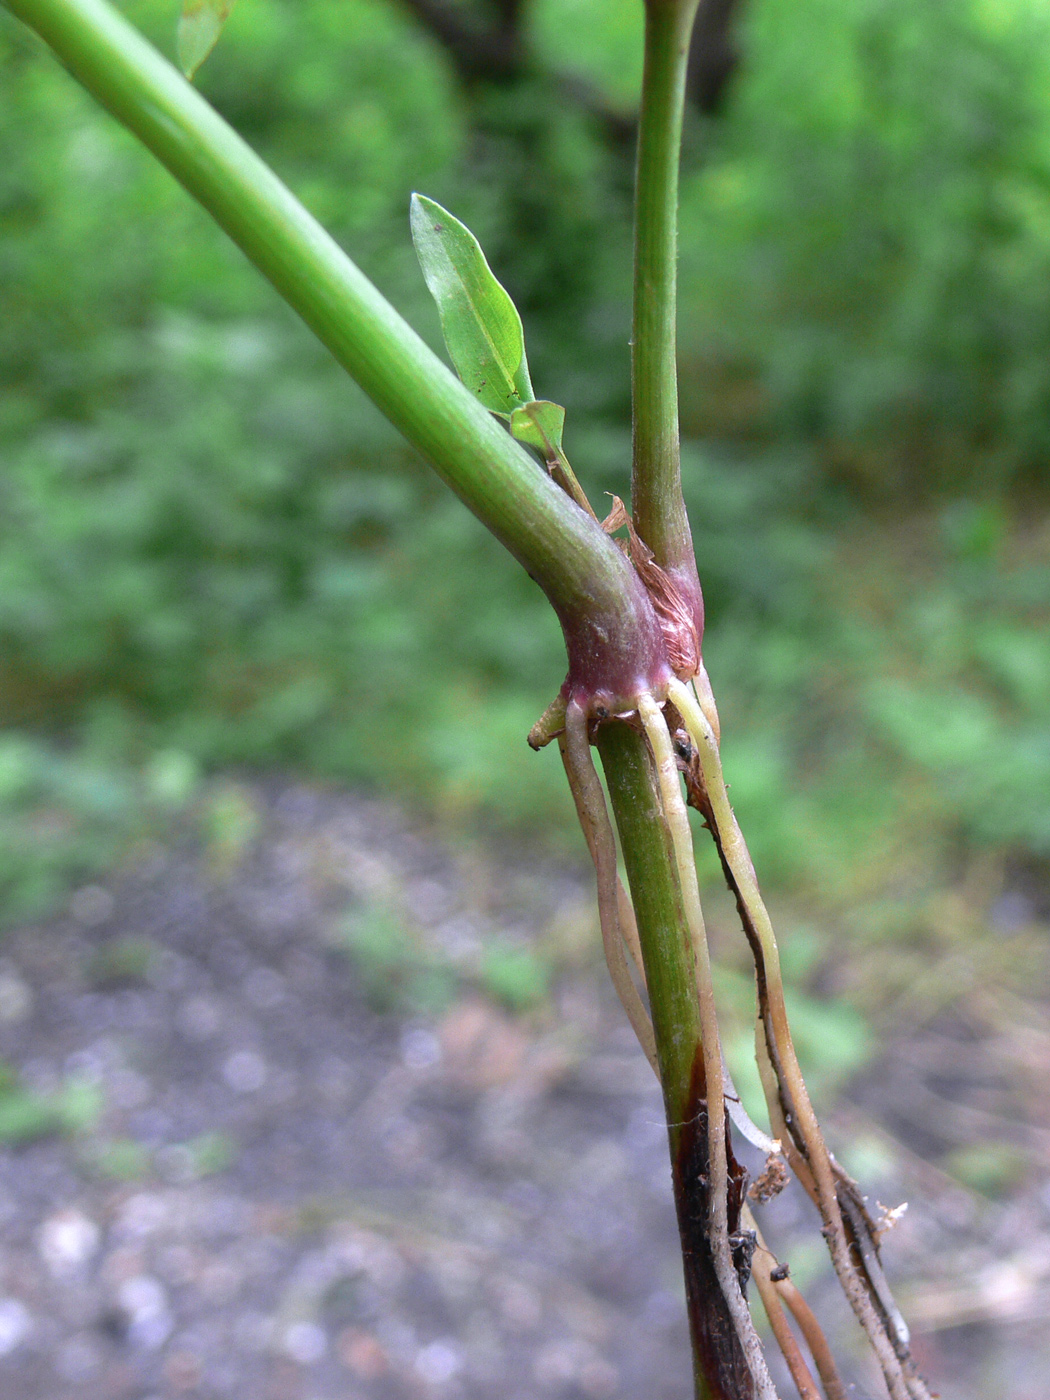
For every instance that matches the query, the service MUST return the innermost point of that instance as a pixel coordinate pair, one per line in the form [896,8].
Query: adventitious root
[762,1267]
[851,1234]
[629,929]
[791,1112]
[718,1228]
[810,1328]
[777,1291]
[597,830]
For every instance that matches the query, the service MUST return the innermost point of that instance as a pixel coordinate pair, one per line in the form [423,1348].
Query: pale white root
[589,797]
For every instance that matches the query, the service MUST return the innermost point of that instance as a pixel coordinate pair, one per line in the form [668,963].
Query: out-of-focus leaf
[481,325]
[539,424]
[200,25]
[24,1117]
[515,976]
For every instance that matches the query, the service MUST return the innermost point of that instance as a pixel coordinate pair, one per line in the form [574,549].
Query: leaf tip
[199,27]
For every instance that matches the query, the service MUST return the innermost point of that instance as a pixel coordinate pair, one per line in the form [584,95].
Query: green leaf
[539,424]
[200,25]
[481,325]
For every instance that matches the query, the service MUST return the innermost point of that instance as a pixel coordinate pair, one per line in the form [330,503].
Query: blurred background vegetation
[215,555]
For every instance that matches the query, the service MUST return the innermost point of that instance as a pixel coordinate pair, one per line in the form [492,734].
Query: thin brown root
[785,1292]
[770,1086]
[589,798]
[811,1329]
[762,1265]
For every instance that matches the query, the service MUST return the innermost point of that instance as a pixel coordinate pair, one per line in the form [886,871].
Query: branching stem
[611,632]
[617,648]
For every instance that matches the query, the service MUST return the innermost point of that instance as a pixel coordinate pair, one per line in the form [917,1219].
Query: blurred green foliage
[68,811]
[866,248]
[990,1167]
[514,975]
[213,551]
[25,1114]
[398,972]
[122,962]
[117,1159]
[402,968]
[126,1159]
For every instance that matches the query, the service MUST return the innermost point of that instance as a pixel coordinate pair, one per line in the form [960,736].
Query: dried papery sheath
[677,620]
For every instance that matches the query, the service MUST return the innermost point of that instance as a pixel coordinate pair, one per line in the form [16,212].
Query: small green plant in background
[68,813]
[397,970]
[514,975]
[121,962]
[125,1159]
[400,970]
[992,1168]
[117,1159]
[231,823]
[25,1114]
[211,1153]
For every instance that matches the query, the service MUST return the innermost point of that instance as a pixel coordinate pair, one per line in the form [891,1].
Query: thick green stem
[720,1369]
[656,490]
[612,636]
[667,949]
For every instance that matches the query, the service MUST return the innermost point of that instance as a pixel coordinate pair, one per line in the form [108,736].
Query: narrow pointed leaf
[200,25]
[540,424]
[481,325]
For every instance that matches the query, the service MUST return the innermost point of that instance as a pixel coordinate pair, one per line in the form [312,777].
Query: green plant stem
[667,949]
[601,604]
[656,489]
[717,1126]
[719,1366]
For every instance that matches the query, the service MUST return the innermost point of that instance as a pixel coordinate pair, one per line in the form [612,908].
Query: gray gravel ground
[284,1193]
